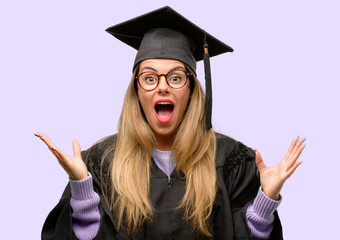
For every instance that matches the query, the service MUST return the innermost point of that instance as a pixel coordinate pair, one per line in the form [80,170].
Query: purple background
[62,74]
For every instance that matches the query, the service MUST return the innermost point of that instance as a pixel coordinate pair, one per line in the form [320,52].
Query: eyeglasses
[175,79]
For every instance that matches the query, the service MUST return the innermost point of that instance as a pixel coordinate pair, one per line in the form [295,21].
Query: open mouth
[164,110]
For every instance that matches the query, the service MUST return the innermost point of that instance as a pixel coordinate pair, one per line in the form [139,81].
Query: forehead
[160,65]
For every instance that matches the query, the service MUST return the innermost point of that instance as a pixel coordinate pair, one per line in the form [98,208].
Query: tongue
[164,112]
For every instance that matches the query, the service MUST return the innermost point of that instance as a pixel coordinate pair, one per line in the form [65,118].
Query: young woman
[166,175]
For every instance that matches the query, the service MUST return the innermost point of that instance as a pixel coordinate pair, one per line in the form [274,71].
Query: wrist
[271,194]
[274,196]
[79,177]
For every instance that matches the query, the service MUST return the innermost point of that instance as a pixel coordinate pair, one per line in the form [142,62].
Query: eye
[149,78]
[175,79]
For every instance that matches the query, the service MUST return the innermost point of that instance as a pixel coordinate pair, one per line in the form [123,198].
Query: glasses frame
[188,74]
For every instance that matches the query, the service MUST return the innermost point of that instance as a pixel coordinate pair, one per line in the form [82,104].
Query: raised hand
[273,178]
[75,167]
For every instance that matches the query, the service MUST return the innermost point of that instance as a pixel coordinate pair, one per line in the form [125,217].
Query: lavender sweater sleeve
[84,203]
[260,215]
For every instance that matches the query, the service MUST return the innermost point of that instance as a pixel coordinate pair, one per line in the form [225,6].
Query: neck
[164,143]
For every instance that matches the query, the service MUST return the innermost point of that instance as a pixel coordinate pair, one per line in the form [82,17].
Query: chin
[163,131]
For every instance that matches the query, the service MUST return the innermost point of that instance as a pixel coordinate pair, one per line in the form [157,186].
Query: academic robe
[237,185]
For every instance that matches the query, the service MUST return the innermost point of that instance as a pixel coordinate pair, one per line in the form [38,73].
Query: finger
[295,157]
[60,160]
[292,145]
[298,144]
[292,157]
[46,140]
[259,162]
[53,148]
[292,170]
[76,149]
[60,155]
[298,153]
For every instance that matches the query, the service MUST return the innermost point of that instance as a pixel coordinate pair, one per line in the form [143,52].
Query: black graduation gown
[237,185]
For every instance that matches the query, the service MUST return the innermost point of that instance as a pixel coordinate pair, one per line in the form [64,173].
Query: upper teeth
[164,103]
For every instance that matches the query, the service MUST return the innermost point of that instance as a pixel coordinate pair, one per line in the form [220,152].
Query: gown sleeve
[243,184]
[58,224]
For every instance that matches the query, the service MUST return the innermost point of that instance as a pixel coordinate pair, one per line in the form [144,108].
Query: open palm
[75,166]
[273,178]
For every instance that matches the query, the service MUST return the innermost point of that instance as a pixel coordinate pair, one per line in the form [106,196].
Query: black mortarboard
[164,33]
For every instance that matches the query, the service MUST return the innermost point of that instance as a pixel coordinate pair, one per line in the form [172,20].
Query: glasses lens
[177,79]
[148,80]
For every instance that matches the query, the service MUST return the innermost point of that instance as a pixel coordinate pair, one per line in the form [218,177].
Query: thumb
[259,162]
[76,149]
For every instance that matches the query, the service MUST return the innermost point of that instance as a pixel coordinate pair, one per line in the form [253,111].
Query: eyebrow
[154,70]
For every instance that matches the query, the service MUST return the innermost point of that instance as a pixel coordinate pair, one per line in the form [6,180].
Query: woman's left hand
[273,178]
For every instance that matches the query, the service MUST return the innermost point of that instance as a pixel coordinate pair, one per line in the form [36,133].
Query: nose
[162,85]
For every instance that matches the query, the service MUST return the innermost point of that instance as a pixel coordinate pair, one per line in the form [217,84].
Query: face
[164,107]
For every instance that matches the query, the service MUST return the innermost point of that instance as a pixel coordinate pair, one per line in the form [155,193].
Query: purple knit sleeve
[260,215]
[84,203]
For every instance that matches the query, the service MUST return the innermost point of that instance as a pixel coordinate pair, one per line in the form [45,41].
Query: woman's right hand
[75,167]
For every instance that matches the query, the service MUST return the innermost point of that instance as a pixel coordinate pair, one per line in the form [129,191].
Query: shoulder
[102,149]
[105,143]
[231,154]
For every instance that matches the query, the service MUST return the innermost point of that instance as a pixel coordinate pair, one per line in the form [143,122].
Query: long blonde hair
[129,200]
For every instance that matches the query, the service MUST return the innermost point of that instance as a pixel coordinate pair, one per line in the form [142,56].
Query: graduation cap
[164,33]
